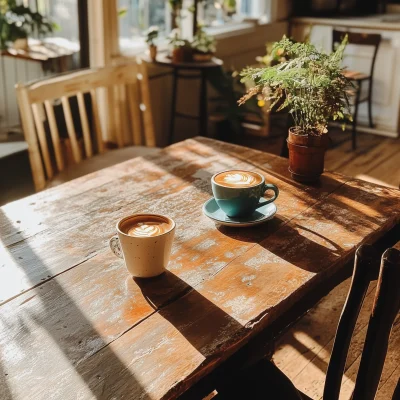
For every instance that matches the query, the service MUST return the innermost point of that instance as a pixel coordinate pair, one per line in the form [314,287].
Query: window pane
[219,12]
[140,15]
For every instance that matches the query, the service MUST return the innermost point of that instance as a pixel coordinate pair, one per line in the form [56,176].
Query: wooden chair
[359,39]
[264,380]
[126,89]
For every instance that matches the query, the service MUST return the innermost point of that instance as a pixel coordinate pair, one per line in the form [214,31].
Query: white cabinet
[386,86]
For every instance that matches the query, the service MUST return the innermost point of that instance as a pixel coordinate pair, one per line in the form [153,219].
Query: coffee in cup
[238,192]
[238,179]
[144,241]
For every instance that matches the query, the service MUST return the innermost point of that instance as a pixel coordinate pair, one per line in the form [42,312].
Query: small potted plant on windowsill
[151,36]
[203,45]
[17,22]
[181,49]
[314,90]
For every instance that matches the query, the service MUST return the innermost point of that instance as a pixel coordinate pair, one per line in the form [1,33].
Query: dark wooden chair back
[359,39]
[385,309]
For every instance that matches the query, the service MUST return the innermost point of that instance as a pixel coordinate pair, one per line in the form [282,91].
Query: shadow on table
[208,328]
[285,241]
[54,319]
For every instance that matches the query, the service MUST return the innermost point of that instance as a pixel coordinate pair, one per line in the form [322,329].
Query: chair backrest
[125,90]
[359,39]
[385,309]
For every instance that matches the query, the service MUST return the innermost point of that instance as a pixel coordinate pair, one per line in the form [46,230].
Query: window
[220,12]
[140,15]
[63,12]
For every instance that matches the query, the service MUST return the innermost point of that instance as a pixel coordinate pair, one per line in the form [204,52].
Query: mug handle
[269,186]
[115,246]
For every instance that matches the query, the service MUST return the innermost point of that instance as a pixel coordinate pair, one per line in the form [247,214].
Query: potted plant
[203,45]
[151,36]
[17,22]
[181,49]
[314,90]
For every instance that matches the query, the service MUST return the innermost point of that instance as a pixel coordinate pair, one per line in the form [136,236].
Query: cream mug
[144,241]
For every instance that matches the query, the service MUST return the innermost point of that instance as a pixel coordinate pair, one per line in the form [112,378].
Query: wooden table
[73,324]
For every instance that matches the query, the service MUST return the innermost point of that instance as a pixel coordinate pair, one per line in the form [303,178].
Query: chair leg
[354,128]
[173,107]
[371,122]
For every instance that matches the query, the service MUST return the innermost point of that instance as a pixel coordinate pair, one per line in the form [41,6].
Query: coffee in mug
[144,241]
[238,192]
[238,179]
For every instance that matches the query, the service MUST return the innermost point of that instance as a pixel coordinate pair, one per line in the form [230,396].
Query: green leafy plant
[152,35]
[310,84]
[202,42]
[18,22]
[176,40]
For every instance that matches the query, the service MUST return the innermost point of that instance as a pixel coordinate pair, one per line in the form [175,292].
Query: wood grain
[70,307]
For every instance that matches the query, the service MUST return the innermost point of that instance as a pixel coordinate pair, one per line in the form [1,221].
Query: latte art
[237,178]
[240,179]
[147,229]
[146,225]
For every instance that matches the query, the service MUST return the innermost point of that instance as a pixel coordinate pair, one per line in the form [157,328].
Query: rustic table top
[163,60]
[73,324]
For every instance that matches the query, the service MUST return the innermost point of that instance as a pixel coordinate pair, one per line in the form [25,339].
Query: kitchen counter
[387,22]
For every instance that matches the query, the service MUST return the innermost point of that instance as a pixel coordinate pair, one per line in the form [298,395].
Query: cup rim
[235,188]
[145,214]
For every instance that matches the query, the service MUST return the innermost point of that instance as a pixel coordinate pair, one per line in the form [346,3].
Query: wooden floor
[377,158]
[303,352]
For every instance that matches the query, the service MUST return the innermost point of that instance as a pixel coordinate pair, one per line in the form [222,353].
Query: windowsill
[134,47]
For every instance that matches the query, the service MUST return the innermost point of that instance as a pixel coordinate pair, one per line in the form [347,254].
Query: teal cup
[242,201]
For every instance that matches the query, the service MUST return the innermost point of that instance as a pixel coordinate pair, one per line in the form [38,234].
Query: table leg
[203,114]
[173,107]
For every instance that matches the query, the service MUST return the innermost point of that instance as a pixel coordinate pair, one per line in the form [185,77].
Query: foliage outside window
[18,21]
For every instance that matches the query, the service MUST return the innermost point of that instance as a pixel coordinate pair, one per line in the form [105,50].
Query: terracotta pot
[153,52]
[21,44]
[181,55]
[202,57]
[306,156]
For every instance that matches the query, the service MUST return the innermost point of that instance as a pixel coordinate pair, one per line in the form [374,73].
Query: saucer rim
[238,224]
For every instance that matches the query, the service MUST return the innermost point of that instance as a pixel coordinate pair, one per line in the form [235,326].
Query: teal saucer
[261,215]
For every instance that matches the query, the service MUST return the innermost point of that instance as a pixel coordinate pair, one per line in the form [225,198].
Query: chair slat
[71,129]
[85,125]
[96,121]
[114,118]
[55,136]
[123,111]
[28,125]
[37,116]
[134,111]
[149,134]
[384,311]
[366,264]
